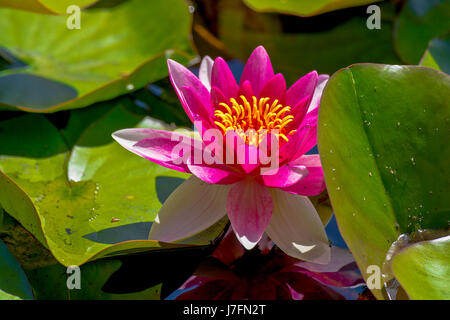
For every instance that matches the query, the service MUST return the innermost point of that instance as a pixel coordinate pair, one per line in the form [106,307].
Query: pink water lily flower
[273,201]
[268,274]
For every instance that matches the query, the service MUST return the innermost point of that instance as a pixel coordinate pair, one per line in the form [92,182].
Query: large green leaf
[423,269]
[304,8]
[13,281]
[295,54]
[382,139]
[117,50]
[419,22]
[438,55]
[45,6]
[89,198]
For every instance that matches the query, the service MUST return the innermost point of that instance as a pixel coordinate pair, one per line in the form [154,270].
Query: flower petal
[246,90]
[249,207]
[304,87]
[321,83]
[194,206]
[258,69]
[223,78]
[201,114]
[340,272]
[215,173]
[182,77]
[154,145]
[296,228]
[285,176]
[204,72]
[314,183]
[275,88]
[309,289]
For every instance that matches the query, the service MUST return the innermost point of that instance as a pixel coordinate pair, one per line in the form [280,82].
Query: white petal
[193,207]
[321,83]
[204,73]
[296,228]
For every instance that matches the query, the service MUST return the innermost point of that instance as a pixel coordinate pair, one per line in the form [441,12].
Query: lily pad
[438,55]
[45,6]
[382,132]
[423,269]
[66,187]
[117,50]
[418,23]
[50,283]
[13,281]
[304,8]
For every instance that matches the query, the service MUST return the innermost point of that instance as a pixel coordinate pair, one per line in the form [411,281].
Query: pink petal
[246,90]
[217,96]
[155,145]
[314,183]
[223,79]
[340,272]
[299,143]
[310,289]
[285,176]
[182,77]
[258,69]
[304,87]
[249,207]
[193,207]
[336,279]
[275,88]
[204,72]
[201,115]
[215,173]
[299,111]
[246,157]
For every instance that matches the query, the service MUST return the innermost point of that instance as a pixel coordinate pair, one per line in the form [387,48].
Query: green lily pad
[116,51]
[423,268]
[418,23]
[45,6]
[67,187]
[13,281]
[50,283]
[304,8]
[295,54]
[382,132]
[438,55]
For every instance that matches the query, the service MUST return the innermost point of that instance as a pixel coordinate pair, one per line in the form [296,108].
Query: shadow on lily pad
[165,186]
[128,232]
[32,91]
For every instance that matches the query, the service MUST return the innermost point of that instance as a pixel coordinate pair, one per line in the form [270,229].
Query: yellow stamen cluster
[259,117]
